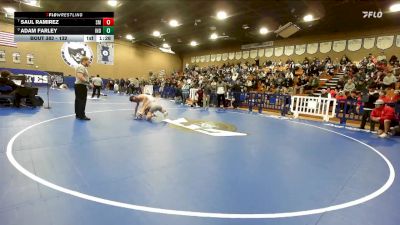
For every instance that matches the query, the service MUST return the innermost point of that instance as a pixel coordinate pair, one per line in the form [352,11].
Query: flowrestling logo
[372,14]
[217,129]
[72,52]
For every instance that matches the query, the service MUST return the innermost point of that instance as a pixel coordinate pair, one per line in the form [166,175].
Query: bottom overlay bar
[64,38]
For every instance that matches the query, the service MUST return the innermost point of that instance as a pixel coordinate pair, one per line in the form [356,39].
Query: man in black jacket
[5,81]
[18,91]
[236,94]
[369,99]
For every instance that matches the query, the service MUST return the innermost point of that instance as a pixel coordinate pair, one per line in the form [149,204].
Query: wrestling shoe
[383,135]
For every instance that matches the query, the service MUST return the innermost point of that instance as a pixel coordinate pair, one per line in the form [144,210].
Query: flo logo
[217,129]
[372,14]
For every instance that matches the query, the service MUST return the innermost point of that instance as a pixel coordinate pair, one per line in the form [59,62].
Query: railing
[156,90]
[349,110]
[314,106]
[168,92]
[263,101]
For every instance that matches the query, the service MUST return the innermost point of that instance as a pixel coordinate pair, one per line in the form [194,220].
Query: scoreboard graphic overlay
[64,26]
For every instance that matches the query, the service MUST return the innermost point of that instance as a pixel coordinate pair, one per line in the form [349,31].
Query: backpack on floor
[39,101]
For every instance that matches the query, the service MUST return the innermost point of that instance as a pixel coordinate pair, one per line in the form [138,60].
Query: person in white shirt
[325,94]
[349,86]
[116,88]
[389,81]
[221,90]
[97,84]
[136,85]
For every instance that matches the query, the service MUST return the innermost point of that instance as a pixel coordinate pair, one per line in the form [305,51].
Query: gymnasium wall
[130,60]
[353,55]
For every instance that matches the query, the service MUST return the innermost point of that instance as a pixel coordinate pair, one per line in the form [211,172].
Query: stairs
[328,83]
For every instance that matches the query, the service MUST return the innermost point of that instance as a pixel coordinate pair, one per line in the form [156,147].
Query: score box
[108,21]
[108,30]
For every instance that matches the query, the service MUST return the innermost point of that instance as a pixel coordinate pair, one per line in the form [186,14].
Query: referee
[81,82]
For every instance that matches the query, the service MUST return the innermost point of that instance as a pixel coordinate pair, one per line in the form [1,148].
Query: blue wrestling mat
[198,167]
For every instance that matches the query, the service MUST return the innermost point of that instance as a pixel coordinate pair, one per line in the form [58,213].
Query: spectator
[389,81]
[127,86]
[393,60]
[221,90]
[341,98]
[360,85]
[97,84]
[325,93]
[178,93]
[381,57]
[121,88]
[340,83]
[199,97]
[214,92]
[352,102]
[384,115]
[344,60]
[369,100]
[332,92]
[396,69]
[136,86]
[111,85]
[331,69]
[206,94]
[384,97]
[185,91]
[116,88]
[5,81]
[396,97]
[314,82]
[349,86]
[19,92]
[236,94]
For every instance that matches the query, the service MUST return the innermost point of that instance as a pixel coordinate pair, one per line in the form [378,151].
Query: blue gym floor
[116,170]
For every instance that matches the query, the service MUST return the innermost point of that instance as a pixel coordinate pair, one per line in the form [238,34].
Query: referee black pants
[96,89]
[367,116]
[220,98]
[80,100]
